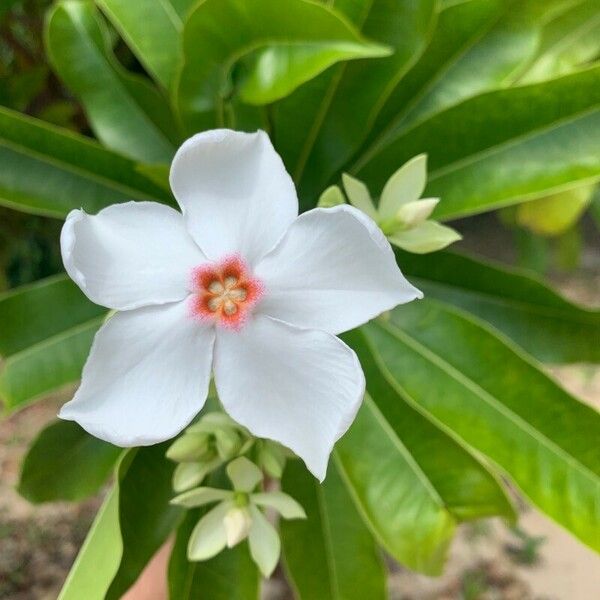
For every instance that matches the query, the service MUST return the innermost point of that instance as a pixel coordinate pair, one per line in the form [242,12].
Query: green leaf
[99,557]
[152,30]
[251,25]
[32,313]
[412,481]
[65,463]
[125,111]
[515,302]
[570,40]
[497,401]
[46,366]
[503,147]
[326,123]
[49,171]
[231,575]
[133,523]
[331,554]
[475,46]
[275,72]
[146,519]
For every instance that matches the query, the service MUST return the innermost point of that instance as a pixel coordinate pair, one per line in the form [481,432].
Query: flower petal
[209,536]
[333,270]
[130,255]
[285,505]
[244,474]
[405,185]
[234,191]
[146,377]
[299,387]
[201,496]
[265,546]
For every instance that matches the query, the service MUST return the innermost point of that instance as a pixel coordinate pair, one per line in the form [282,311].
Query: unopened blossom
[236,284]
[238,515]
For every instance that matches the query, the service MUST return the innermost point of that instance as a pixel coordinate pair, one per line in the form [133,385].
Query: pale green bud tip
[244,475]
[359,196]
[413,213]
[332,196]
[189,447]
[237,524]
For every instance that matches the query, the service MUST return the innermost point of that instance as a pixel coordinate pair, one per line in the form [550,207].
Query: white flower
[237,284]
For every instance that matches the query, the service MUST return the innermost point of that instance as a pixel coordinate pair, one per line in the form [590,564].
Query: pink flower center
[224,292]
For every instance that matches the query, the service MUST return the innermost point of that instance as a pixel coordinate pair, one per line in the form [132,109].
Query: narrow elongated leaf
[152,30]
[497,401]
[475,47]
[412,481]
[98,558]
[46,366]
[65,463]
[275,72]
[231,575]
[49,171]
[521,306]
[340,125]
[146,518]
[204,81]
[503,146]
[33,313]
[132,525]
[330,554]
[125,111]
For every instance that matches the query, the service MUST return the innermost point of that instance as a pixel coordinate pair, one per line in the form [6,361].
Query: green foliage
[496,400]
[343,561]
[133,523]
[502,96]
[518,304]
[65,463]
[127,114]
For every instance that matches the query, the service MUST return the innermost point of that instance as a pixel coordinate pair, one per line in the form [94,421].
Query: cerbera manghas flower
[236,284]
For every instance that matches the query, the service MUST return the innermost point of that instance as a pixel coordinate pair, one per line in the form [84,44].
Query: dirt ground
[488,561]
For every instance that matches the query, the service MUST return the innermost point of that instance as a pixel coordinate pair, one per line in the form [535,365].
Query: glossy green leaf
[275,72]
[570,40]
[32,313]
[497,400]
[330,554]
[475,47]
[411,480]
[324,124]
[99,557]
[49,171]
[125,111]
[146,519]
[152,30]
[503,147]
[205,79]
[515,302]
[133,523]
[46,366]
[65,463]
[231,575]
